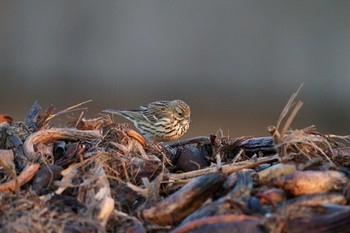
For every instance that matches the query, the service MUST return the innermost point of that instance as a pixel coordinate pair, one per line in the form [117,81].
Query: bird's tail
[114,111]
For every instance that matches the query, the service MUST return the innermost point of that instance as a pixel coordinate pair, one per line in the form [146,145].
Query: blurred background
[236,63]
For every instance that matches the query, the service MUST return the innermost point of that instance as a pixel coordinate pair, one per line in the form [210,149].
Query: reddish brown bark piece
[5,118]
[136,136]
[189,198]
[309,182]
[26,175]
[222,224]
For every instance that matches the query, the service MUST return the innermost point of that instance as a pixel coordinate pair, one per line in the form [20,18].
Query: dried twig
[67,110]
[26,175]
[291,118]
[50,135]
[287,107]
[227,169]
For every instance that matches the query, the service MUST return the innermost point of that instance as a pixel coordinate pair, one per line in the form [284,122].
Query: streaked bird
[159,121]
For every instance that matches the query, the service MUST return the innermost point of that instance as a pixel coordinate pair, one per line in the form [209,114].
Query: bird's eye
[179,112]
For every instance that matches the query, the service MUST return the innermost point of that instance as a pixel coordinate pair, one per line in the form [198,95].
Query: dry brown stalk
[227,169]
[132,133]
[50,135]
[26,175]
[67,110]
[287,108]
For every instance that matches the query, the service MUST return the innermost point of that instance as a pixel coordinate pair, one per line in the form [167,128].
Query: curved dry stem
[50,135]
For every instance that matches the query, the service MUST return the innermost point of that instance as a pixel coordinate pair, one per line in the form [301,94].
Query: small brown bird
[159,121]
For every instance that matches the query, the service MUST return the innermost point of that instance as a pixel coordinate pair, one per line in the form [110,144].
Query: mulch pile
[95,175]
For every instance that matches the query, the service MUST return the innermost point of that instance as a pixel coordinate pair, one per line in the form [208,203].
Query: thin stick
[79,119]
[227,168]
[291,117]
[287,107]
[72,108]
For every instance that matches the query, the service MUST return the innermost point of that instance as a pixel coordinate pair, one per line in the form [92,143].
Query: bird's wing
[155,111]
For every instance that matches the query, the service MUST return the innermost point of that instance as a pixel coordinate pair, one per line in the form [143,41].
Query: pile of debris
[99,176]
